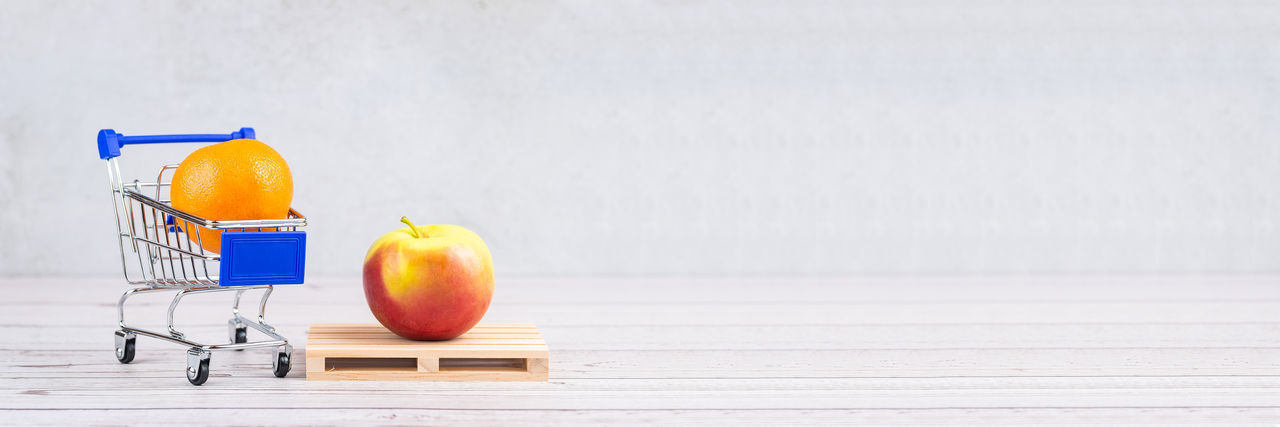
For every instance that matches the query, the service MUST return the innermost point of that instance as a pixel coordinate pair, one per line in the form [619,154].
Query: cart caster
[281,363]
[197,366]
[125,344]
[238,333]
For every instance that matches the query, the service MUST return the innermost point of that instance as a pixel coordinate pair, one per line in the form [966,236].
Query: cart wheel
[125,345]
[197,366]
[237,332]
[282,365]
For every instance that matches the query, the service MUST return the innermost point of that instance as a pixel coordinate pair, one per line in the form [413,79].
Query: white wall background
[664,138]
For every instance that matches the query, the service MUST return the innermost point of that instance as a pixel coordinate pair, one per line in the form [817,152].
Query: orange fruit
[235,180]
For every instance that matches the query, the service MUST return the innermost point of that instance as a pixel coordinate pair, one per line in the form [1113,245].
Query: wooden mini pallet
[488,352]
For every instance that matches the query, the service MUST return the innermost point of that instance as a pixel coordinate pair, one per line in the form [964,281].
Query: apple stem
[412,229]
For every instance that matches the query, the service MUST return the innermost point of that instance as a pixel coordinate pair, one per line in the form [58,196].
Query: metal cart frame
[255,255]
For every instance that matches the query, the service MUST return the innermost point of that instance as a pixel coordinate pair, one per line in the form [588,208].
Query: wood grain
[369,352]
[1012,349]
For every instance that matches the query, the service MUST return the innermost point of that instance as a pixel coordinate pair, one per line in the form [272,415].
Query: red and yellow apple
[431,282]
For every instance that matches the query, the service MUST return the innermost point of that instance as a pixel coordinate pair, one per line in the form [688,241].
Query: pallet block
[488,352]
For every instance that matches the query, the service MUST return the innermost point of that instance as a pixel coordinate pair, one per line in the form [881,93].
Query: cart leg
[262,309]
[120,303]
[236,329]
[235,303]
[174,306]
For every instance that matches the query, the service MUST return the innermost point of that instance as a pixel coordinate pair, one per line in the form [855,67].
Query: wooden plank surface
[1009,349]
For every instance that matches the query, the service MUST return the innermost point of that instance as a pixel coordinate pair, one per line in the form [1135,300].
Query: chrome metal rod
[235,303]
[251,223]
[175,336]
[188,343]
[125,297]
[265,329]
[262,308]
[177,297]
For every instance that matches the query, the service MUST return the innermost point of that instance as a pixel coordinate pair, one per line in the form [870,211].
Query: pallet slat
[364,352]
[376,327]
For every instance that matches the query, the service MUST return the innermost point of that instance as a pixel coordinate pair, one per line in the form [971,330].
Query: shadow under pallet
[369,352]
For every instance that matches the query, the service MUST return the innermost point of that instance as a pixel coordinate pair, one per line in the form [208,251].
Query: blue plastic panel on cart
[262,258]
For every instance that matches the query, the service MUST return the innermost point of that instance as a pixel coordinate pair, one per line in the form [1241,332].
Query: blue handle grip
[109,142]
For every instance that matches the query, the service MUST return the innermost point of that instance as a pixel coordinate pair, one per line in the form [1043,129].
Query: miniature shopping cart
[158,254]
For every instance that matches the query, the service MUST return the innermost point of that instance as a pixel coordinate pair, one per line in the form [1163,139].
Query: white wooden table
[789,350]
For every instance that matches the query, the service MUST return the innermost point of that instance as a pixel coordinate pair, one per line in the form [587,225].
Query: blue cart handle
[109,142]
